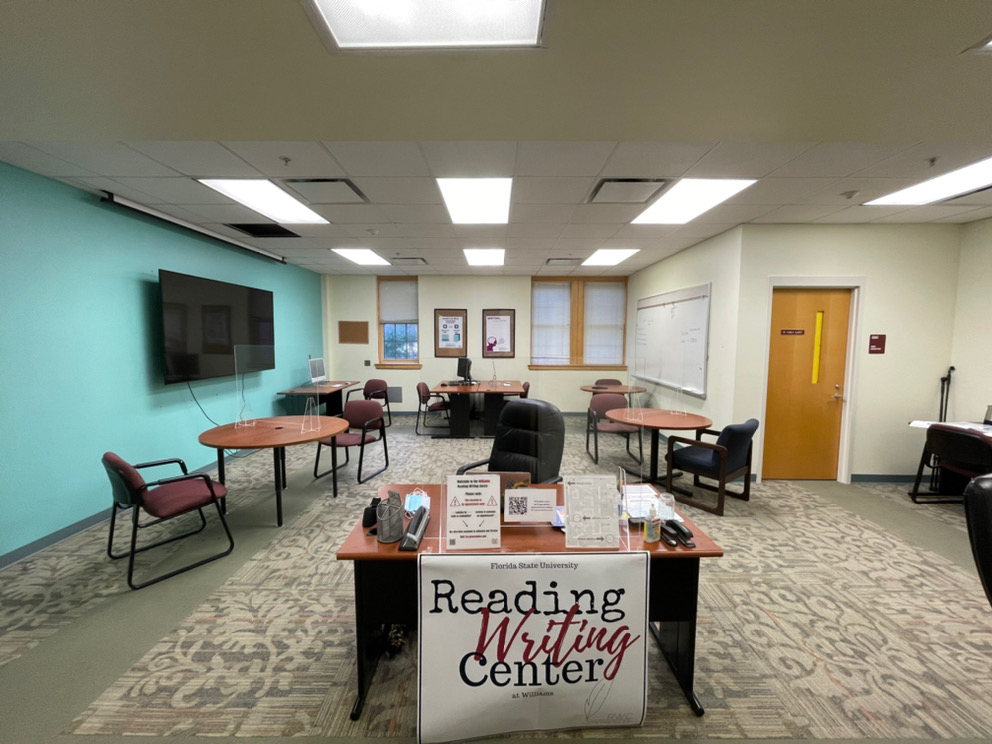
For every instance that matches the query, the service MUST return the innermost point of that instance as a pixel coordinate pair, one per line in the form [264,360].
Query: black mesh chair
[724,461]
[978,511]
[530,437]
[958,456]
[162,500]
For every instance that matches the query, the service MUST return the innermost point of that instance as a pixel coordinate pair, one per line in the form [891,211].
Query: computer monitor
[317,373]
[465,368]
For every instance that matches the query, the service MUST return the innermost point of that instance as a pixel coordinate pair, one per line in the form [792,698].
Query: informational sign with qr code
[530,505]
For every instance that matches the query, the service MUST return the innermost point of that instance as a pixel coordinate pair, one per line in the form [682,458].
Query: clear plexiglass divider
[248,358]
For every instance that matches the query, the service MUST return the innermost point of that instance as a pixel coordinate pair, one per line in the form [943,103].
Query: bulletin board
[671,339]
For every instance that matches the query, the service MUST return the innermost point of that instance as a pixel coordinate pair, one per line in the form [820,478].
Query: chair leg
[136,515]
[316,462]
[361,456]
[135,550]
[640,447]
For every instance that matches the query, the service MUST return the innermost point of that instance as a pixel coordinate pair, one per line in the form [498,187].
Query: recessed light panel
[690,198]
[961,181]
[477,201]
[267,199]
[609,256]
[362,256]
[425,24]
[484,256]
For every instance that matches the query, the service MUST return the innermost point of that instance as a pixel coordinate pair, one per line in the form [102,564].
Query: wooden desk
[656,420]
[327,393]
[386,586]
[460,397]
[274,433]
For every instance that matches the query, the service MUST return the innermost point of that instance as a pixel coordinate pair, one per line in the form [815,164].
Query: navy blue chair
[724,461]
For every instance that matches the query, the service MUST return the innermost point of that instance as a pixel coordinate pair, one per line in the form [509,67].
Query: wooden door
[807,360]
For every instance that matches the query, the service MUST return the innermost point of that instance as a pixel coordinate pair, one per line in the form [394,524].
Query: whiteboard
[670,341]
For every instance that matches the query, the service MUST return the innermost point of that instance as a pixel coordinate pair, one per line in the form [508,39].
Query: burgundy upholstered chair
[425,406]
[164,499]
[597,423]
[365,426]
[376,390]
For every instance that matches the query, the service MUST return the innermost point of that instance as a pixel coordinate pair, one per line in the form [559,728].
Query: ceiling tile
[745,160]
[198,159]
[836,159]
[654,159]
[396,159]
[470,159]
[400,190]
[562,158]
[287,159]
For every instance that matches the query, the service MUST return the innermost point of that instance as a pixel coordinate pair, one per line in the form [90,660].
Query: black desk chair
[530,437]
[958,456]
[978,510]
[724,461]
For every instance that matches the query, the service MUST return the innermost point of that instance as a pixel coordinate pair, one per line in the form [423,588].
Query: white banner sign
[531,642]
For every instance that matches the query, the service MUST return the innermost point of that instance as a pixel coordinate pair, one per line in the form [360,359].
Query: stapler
[415,532]
[674,528]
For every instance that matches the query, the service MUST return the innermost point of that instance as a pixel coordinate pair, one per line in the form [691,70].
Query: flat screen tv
[214,329]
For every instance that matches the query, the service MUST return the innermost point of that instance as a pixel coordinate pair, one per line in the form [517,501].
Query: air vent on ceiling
[626,190]
[327,190]
[563,261]
[264,230]
[408,261]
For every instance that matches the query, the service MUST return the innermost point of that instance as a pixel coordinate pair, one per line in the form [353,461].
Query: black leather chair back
[737,439]
[530,437]
[965,452]
[978,510]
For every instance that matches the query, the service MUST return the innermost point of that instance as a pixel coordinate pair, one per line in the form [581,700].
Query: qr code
[516,505]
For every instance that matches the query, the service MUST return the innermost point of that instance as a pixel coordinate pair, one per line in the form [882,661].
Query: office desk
[327,393]
[656,420]
[461,405]
[274,433]
[386,586]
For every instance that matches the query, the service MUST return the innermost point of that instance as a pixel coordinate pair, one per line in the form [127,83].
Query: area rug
[816,624]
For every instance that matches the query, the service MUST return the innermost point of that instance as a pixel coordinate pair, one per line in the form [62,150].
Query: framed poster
[450,330]
[498,328]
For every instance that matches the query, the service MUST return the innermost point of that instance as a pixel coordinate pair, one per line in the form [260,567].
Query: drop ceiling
[828,103]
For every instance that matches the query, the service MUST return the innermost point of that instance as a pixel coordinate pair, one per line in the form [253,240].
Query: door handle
[837,396]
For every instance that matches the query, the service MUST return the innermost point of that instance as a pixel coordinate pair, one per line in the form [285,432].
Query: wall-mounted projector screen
[670,340]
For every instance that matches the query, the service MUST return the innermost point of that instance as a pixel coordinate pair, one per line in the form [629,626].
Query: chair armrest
[380,427]
[471,466]
[156,463]
[190,476]
[353,390]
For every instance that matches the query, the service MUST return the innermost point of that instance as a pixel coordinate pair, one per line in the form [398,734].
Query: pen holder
[389,519]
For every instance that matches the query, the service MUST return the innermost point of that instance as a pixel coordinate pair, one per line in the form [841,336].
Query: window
[398,328]
[578,322]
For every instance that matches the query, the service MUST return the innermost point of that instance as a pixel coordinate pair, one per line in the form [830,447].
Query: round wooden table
[657,419]
[275,433]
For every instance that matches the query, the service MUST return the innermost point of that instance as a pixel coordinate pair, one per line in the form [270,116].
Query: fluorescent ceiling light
[609,256]
[961,181]
[424,24]
[689,198]
[477,201]
[362,256]
[265,198]
[484,256]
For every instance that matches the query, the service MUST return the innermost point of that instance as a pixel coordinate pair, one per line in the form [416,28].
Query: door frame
[857,285]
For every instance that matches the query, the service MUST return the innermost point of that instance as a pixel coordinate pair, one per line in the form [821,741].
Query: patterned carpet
[830,629]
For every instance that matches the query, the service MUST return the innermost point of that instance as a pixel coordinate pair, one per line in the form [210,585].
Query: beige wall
[971,352]
[908,280]
[921,285]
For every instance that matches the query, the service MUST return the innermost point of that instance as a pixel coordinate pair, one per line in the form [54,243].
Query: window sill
[399,365]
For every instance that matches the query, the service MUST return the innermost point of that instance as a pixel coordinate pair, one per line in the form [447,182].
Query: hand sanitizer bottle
[652,526]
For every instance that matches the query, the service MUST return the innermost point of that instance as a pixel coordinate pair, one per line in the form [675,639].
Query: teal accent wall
[80,367]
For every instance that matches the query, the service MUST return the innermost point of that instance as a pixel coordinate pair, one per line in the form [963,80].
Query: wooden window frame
[384,363]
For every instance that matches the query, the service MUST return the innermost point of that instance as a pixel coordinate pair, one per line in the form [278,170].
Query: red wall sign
[876,343]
